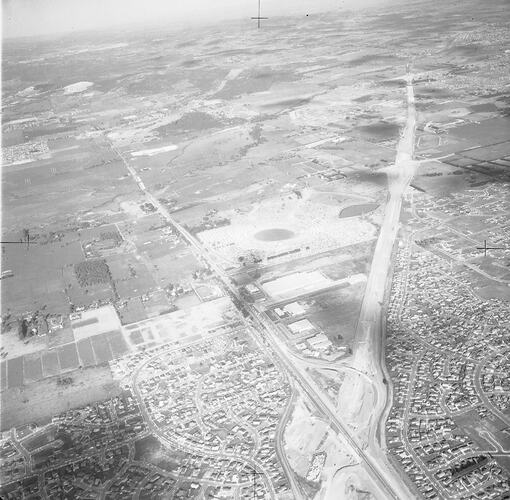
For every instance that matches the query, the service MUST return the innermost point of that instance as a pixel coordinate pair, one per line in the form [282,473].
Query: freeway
[368,335]
[399,177]
[368,355]
[382,478]
[271,339]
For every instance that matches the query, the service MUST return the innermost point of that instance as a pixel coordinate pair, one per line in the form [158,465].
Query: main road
[368,355]
[369,325]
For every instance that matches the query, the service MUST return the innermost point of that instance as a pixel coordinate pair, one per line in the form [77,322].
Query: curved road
[368,335]
[182,442]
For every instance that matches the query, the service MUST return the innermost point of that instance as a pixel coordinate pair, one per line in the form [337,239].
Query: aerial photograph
[255,250]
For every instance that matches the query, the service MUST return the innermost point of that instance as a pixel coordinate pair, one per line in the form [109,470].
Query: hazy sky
[35,17]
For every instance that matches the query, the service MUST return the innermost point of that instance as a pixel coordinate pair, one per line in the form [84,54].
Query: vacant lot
[39,401]
[37,279]
[336,312]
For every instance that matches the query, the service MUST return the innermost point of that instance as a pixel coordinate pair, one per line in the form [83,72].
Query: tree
[22,328]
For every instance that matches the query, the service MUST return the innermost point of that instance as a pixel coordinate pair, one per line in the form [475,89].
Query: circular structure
[275,234]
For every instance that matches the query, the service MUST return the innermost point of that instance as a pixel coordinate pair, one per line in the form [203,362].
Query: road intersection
[367,355]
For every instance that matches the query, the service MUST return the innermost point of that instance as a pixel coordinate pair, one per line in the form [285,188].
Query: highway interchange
[367,355]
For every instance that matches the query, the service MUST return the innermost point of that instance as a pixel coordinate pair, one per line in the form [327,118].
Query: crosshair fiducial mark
[485,248]
[258,18]
[254,475]
[24,240]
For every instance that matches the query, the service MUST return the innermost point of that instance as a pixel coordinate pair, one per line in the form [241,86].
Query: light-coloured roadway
[368,336]
[368,339]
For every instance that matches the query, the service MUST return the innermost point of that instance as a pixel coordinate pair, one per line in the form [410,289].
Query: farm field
[39,401]
[257,262]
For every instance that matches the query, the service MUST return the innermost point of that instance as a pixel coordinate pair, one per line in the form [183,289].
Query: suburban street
[367,351]
[268,251]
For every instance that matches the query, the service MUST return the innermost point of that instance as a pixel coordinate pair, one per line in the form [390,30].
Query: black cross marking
[485,248]
[25,240]
[258,18]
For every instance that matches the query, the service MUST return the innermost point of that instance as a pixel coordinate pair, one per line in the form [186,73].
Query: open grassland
[38,402]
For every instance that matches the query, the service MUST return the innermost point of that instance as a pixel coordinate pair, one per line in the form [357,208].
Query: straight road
[382,477]
[368,335]
[368,355]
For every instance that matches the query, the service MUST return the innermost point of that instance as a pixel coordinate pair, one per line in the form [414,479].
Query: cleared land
[38,402]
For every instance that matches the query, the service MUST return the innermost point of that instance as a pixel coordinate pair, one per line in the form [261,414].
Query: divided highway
[369,329]
[369,332]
